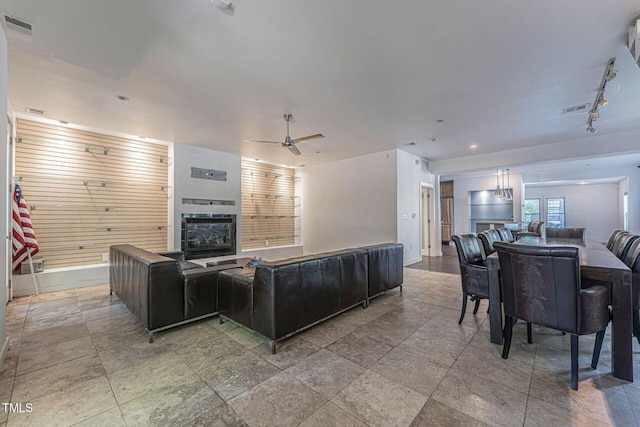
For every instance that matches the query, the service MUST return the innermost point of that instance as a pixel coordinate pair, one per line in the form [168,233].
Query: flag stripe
[23,237]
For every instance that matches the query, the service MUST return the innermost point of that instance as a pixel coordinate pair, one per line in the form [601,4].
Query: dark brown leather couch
[385,266]
[162,290]
[284,297]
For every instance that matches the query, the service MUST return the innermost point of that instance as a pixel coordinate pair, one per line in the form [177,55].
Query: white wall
[184,158]
[4,205]
[632,172]
[350,203]
[594,207]
[410,177]
[461,188]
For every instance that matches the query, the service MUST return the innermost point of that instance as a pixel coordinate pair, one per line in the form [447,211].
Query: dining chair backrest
[632,260]
[506,235]
[469,249]
[613,237]
[540,284]
[536,227]
[623,244]
[488,237]
[566,233]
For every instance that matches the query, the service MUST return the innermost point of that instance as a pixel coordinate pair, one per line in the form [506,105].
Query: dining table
[597,263]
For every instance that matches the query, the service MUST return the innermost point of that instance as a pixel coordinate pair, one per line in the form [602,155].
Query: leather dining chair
[488,237]
[506,235]
[535,228]
[566,233]
[613,237]
[622,245]
[473,271]
[541,285]
[632,260]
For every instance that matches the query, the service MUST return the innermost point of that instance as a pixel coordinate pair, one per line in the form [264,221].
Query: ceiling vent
[577,108]
[35,111]
[17,27]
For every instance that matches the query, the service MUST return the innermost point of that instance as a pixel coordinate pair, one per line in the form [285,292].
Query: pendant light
[507,189]
[498,191]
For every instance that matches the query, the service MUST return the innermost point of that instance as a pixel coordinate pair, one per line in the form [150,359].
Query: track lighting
[602,101]
[609,74]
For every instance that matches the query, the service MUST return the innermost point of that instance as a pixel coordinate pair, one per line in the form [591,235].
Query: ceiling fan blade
[294,150]
[266,142]
[306,138]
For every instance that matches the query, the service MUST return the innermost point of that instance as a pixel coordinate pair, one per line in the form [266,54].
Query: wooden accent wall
[87,191]
[268,205]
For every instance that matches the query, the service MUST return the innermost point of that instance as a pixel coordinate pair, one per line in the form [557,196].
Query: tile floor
[80,358]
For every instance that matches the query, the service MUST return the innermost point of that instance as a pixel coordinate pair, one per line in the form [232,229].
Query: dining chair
[566,233]
[535,228]
[622,245]
[506,235]
[541,285]
[632,260]
[613,237]
[488,237]
[473,271]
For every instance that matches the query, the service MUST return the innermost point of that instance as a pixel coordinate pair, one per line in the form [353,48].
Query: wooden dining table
[598,263]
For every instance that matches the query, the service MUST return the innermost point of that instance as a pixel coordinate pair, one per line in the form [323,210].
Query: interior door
[426,220]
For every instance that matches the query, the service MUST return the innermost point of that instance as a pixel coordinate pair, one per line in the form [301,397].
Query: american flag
[24,239]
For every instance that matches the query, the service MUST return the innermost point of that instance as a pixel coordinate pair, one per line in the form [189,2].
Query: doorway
[426,226]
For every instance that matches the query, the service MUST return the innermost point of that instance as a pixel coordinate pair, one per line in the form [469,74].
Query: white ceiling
[370,75]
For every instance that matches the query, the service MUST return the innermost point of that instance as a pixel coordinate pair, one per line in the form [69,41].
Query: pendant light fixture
[507,190]
[498,191]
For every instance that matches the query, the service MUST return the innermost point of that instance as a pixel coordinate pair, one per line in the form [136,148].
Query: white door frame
[427,220]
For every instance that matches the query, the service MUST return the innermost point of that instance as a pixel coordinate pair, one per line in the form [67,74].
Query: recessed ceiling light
[142,137]
[123,98]
[64,122]
[433,139]
[257,160]
[317,151]
[583,182]
[588,164]
[412,143]
[472,146]
[440,121]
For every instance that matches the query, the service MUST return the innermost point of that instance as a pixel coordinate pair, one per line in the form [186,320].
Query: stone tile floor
[80,358]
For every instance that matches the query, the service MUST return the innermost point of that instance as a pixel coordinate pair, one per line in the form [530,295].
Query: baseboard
[61,279]
[411,261]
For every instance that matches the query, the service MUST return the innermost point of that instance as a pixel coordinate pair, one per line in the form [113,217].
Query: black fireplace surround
[208,235]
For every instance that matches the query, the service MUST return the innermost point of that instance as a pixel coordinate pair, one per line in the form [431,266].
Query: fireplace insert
[208,235]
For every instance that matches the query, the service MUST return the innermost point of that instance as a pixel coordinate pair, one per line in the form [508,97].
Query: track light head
[592,129]
[611,75]
[594,115]
[602,101]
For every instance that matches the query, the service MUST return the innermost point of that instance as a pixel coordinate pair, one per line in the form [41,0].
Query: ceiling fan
[288,142]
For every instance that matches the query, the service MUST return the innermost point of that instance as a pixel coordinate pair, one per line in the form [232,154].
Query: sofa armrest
[177,255]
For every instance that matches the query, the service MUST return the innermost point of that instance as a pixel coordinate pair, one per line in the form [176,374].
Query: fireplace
[208,235]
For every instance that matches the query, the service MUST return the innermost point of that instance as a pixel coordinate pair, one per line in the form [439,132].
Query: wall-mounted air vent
[577,108]
[15,25]
[35,111]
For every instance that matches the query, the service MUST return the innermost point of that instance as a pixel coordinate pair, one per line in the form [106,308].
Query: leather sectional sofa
[280,298]
[162,290]
[276,299]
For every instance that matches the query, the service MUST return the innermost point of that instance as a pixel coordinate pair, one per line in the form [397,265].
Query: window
[555,212]
[531,210]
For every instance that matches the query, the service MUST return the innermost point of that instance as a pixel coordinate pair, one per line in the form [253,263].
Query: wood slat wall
[268,205]
[87,191]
